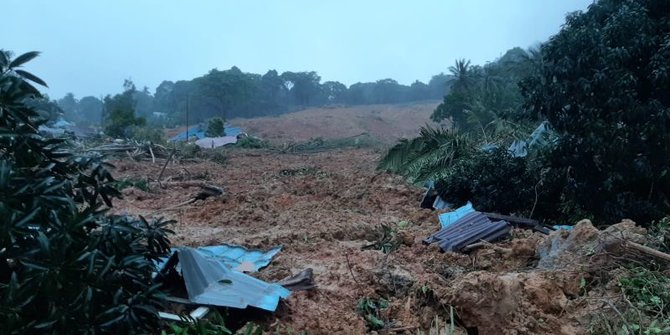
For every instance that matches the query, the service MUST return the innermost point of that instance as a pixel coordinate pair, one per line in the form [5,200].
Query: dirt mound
[323,208]
[547,298]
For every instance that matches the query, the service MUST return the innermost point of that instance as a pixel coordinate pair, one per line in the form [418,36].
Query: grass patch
[387,240]
[370,309]
[320,144]
[139,183]
[252,143]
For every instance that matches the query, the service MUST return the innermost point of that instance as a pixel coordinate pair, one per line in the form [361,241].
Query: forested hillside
[233,93]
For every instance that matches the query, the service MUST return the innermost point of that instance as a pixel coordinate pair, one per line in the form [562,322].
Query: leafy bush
[65,266]
[603,85]
[248,142]
[147,134]
[142,184]
[215,127]
[213,325]
[644,307]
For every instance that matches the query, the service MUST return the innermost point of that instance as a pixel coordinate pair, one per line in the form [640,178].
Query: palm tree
[462,75]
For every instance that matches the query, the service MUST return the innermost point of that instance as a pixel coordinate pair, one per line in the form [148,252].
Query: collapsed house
[198,133]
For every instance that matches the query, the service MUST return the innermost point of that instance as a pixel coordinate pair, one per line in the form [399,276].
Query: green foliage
[142,184]
[233,93]
[646,295]
[147,134]
[214,324]
[387,238]
[249,142]
[648,290]
[482,97]
[602,84]
[660,231]
[428,156]
[215,127]
[189,150]
[320,144]
[120,113]
[65,266]
[216,155]
[370,309]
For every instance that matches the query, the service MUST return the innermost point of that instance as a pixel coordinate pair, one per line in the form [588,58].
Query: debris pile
[134,150]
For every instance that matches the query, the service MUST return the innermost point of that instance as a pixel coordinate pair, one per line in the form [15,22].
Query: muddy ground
[324,207]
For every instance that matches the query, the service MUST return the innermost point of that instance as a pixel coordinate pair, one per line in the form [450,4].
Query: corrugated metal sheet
[471,228]
[215,142]
[239,258]
[447,219]
[199,132]
[209,283]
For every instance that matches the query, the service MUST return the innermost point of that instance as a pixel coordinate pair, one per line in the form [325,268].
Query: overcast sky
[90,47]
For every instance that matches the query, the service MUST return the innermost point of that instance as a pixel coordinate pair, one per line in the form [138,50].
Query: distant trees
[86,111]
[233,93]
[120,110]
[482,99]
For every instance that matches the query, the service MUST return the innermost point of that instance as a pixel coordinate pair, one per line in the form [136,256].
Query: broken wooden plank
[647,250]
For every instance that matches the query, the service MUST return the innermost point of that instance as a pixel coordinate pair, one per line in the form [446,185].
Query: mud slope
[383,122]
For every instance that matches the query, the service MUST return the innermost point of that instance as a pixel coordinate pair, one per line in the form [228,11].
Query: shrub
[215,127]
[65,266]
[148,134]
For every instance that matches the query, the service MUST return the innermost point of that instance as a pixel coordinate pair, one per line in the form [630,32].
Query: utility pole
[188,107]
[102,114]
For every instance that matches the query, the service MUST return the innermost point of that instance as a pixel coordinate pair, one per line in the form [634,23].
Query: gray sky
[90,47]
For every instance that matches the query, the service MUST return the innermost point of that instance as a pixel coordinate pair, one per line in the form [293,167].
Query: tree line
[233,93]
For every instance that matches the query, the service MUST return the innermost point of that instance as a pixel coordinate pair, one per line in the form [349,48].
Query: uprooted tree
[65,266]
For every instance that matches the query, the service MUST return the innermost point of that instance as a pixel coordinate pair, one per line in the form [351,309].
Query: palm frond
[428,155]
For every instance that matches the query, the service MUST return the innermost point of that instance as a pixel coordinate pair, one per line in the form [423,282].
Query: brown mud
[324,207]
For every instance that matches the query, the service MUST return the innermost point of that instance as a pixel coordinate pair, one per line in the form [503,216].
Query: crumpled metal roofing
[239,258]
[215,142]
[233,256]
[199,132]
[209,283]
[471,228]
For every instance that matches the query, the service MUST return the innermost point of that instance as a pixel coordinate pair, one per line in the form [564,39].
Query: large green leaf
[26,57]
